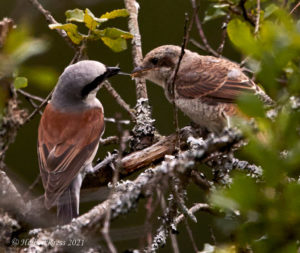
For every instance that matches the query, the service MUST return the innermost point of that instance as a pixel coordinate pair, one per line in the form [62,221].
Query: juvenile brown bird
[206,87]
[69,134]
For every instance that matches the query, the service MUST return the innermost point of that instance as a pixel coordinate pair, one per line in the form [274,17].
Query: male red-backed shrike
[69,134]
[206,87]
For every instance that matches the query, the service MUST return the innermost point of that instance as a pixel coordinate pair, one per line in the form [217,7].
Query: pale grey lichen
[8,226]
[144,126]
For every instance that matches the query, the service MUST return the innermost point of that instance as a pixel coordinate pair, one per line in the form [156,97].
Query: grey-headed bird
[69,134]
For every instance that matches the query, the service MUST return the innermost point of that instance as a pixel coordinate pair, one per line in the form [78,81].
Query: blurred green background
[161,22]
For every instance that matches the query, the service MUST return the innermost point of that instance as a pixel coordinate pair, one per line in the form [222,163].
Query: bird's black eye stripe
[154,61]
[110,71]
[92,85]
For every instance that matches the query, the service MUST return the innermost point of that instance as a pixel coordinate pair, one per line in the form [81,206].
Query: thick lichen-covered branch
[128,193]
[143,132]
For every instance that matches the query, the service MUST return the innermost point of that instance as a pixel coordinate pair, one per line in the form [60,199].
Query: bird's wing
[213,80]
[65,143]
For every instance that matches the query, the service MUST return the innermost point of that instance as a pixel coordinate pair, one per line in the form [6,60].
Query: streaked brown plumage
[206,87]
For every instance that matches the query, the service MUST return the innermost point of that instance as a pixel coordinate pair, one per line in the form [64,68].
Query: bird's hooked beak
[111,71]
[139,70]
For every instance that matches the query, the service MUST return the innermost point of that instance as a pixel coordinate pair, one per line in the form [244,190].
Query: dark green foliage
[268,217]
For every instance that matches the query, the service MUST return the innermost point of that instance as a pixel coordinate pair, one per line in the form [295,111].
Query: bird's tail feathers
[67,206]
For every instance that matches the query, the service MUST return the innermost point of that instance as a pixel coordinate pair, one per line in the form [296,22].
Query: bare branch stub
[30,96]
[5,27]
[102,172]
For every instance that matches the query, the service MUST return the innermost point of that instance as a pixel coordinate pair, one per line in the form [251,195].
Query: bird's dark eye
[154,61]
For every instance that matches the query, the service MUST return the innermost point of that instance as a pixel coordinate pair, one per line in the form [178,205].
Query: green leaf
[270,9]
[117,45]
[251,105]
[215,12]
[240,35]
[76,15]
[112,37]
[71,30]
[21,46]
[43,77]
[115,14]
[218,199]
[20,82]
[115,33]
[91,21]
[243,191]
[28,49]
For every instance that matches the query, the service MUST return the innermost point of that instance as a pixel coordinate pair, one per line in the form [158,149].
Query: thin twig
[213,237]
[109,140]
[197,44]
[31,187]
[36,110]
[119,99]
[28,95]
[190,233]
[105,232]
[51,20]
[123,137]
[113,120]
[34,105]
[197,207]
[201,32]
[257,17]
[293,10]
[162,233]
[30,98]
[200,180]
[172,86]
[172,236]
[148,223]
[224,35]
[245,13]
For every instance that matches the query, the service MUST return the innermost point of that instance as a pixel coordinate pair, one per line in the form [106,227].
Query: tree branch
[119,99]
[201,32]
[128,193]
[133,7]
[51,20]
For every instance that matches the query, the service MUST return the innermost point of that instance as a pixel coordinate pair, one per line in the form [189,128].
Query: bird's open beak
[138,71]
[111,71]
